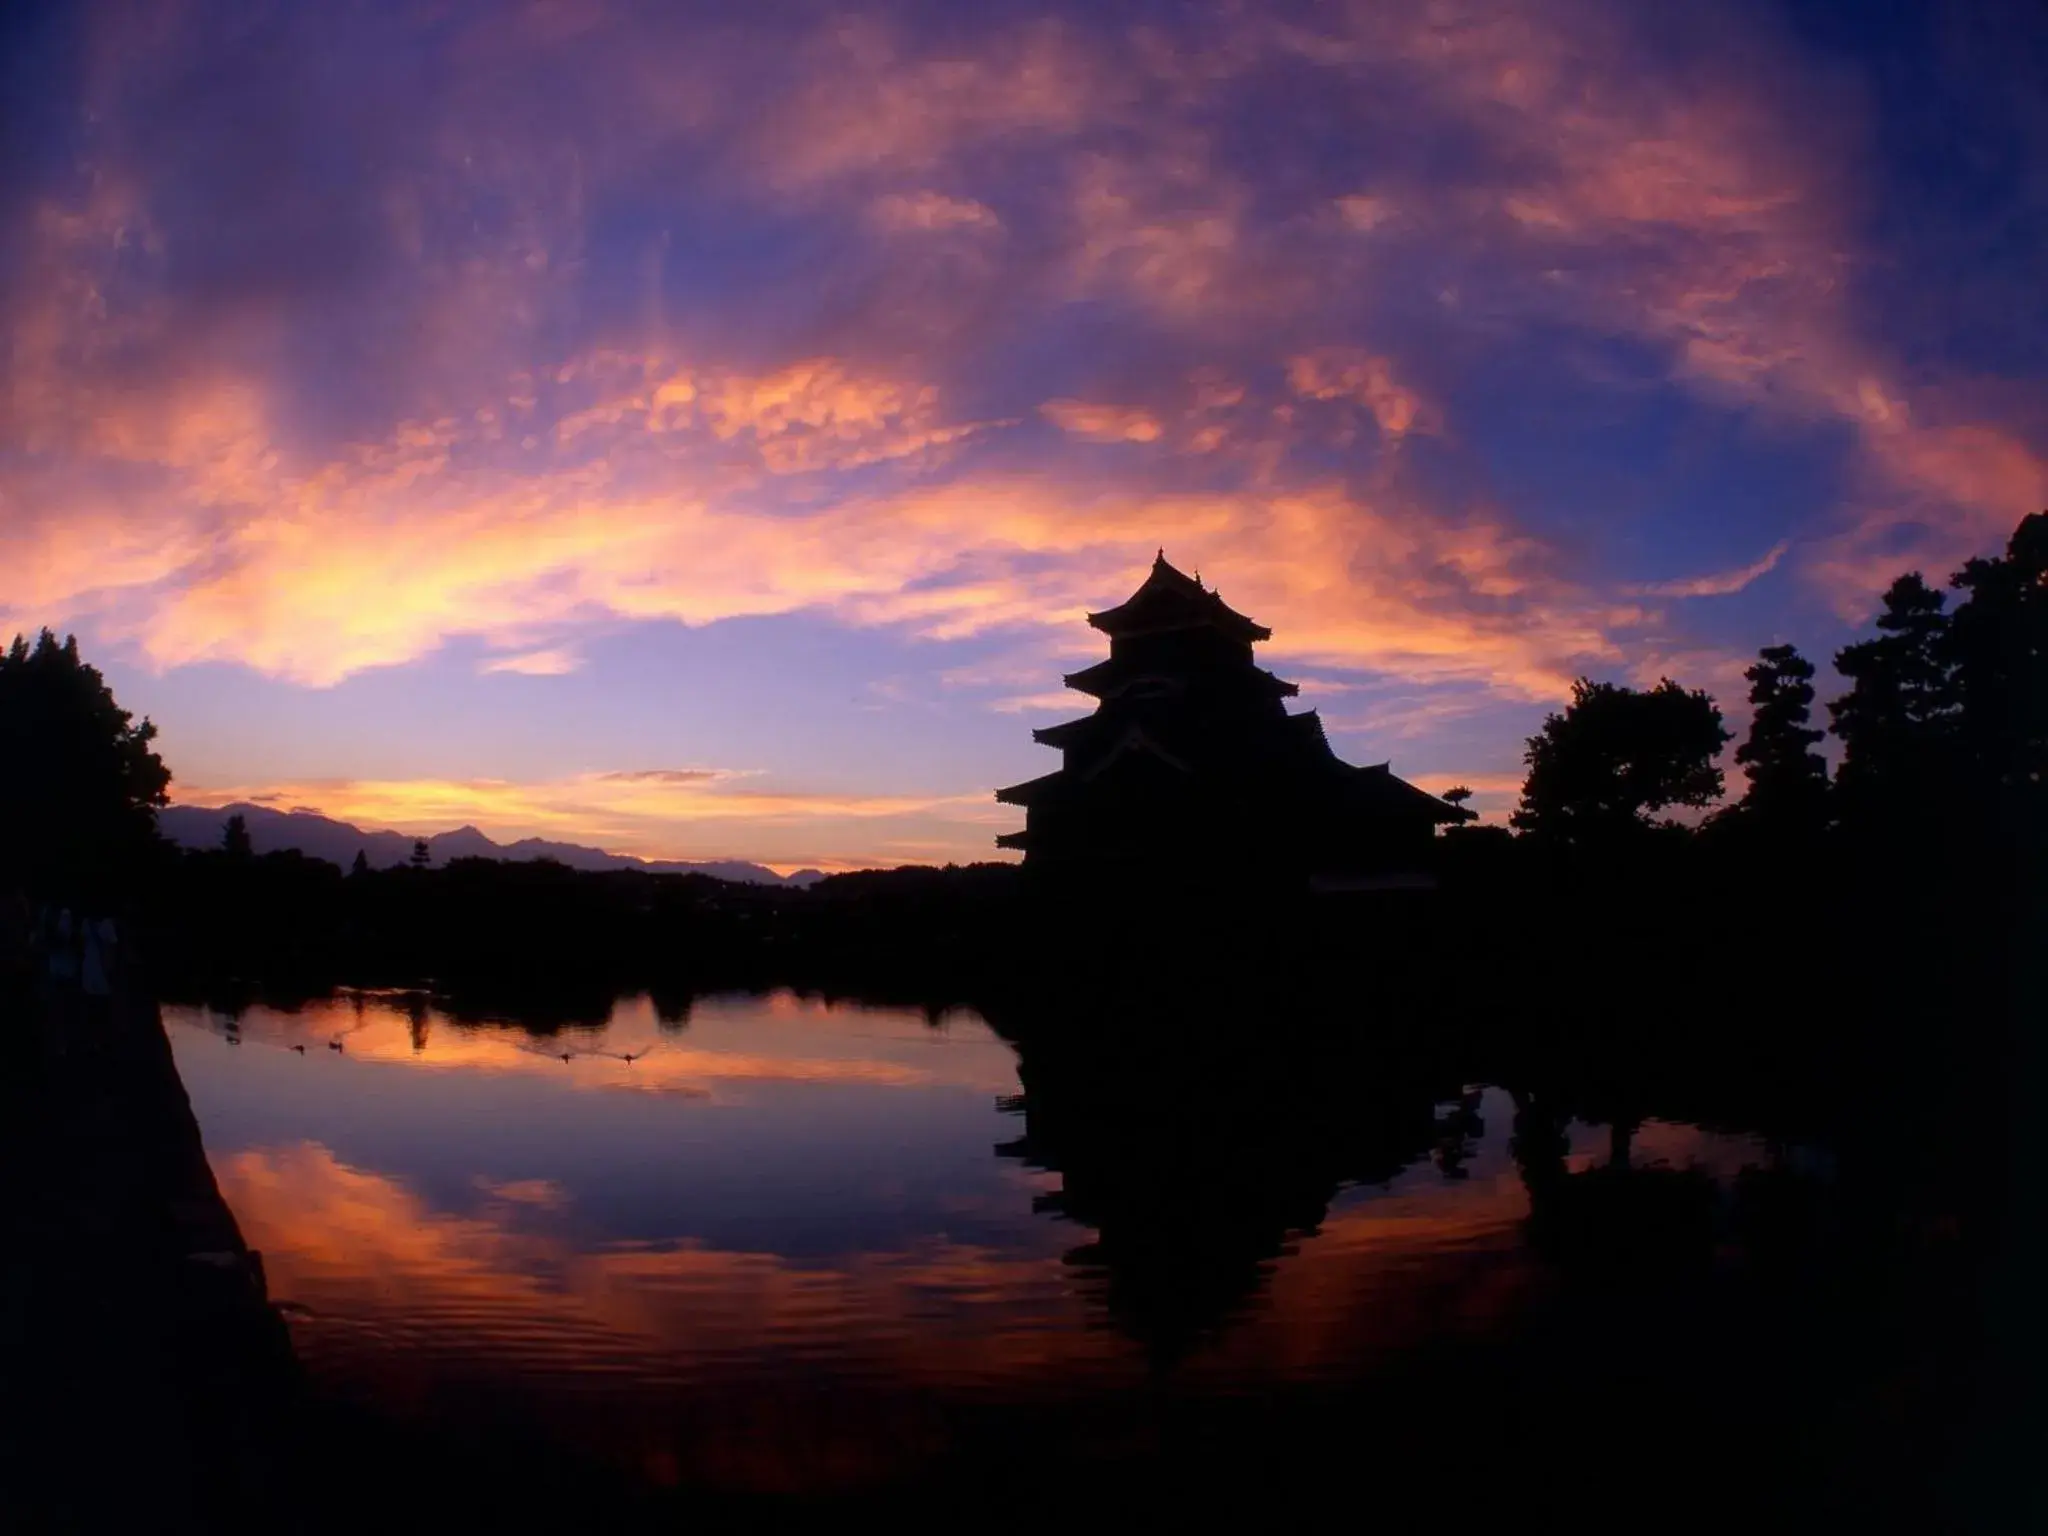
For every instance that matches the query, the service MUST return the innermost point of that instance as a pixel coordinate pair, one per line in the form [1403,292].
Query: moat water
[777,1245]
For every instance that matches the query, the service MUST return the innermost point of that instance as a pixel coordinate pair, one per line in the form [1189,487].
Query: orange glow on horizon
[649,816]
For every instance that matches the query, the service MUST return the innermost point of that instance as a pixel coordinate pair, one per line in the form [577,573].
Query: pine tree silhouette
[1898,721]
[1788,780]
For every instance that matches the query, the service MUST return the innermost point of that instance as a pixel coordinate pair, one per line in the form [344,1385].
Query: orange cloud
[319,570]
[376,557]
[558,661]
[1333,373]
[1102,423]
[814,414]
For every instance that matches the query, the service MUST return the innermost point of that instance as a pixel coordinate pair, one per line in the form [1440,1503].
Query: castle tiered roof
[1190,748]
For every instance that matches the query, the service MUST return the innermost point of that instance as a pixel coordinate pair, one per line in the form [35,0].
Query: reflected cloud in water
[801,1238]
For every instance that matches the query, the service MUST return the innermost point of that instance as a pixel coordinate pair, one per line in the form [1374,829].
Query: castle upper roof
[1171,599]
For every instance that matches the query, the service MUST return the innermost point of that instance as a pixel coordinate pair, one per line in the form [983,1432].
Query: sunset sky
[699,430]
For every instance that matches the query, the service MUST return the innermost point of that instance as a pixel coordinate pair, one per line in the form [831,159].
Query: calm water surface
[784,1243]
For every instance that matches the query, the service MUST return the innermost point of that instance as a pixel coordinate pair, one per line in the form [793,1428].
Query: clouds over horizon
[335,340]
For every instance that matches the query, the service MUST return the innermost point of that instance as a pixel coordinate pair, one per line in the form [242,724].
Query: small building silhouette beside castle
[1192,761]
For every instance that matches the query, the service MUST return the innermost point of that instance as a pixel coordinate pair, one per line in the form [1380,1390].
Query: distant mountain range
[320,837]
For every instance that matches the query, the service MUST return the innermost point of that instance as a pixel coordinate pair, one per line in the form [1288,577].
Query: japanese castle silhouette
[1191,761]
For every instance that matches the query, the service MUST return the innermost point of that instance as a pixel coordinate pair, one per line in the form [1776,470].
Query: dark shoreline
[150,1375]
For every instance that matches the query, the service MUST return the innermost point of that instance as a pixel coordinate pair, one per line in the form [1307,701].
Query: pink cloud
[1721,583]
[933,212]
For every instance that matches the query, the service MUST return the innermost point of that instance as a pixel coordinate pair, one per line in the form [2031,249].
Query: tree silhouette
[1897,722]
[1456,795]
[422,855]
[79,781]
[1615,755]
[1788,780]
[361,866]
[234,838]
[1997,642]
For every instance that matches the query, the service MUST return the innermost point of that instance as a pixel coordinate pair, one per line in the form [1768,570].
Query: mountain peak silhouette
[338,842]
